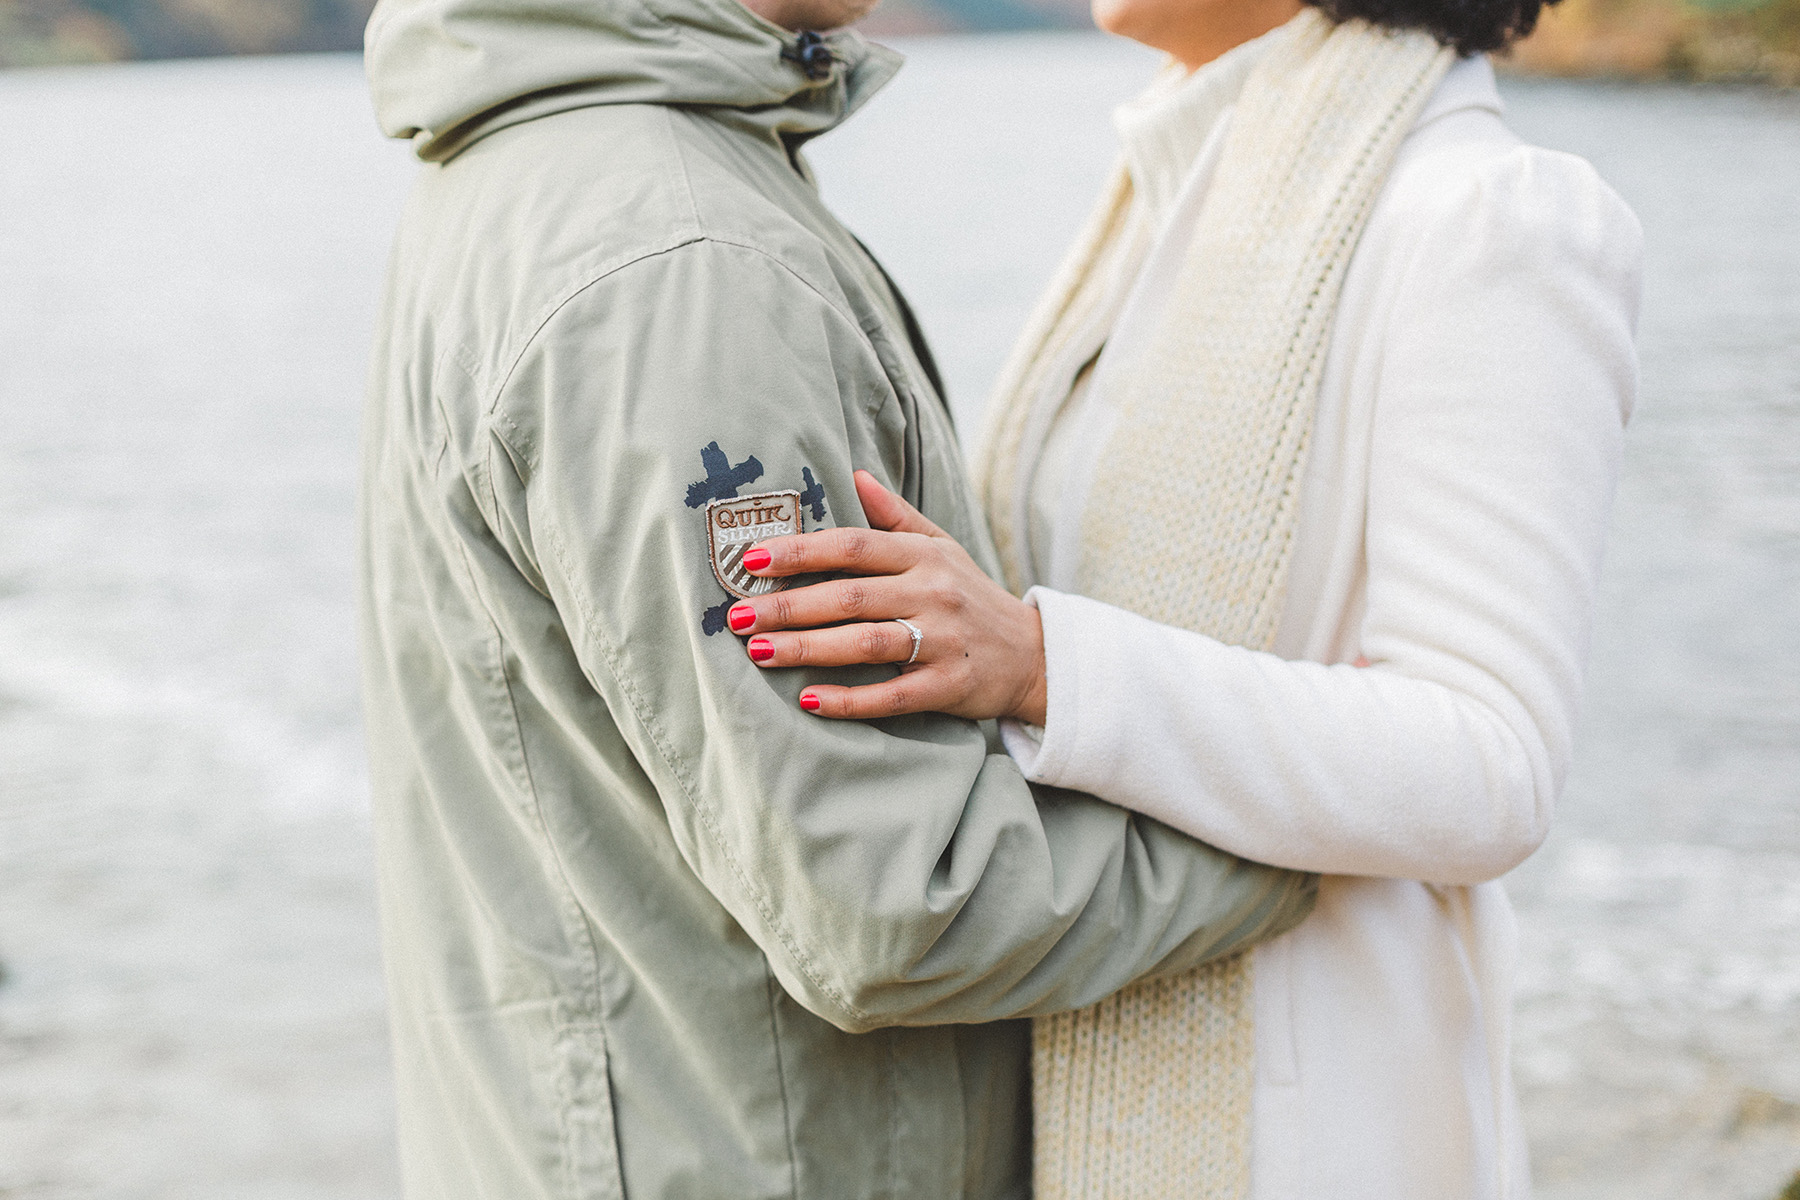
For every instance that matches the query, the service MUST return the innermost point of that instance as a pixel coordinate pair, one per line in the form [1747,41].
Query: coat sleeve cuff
[1045,755]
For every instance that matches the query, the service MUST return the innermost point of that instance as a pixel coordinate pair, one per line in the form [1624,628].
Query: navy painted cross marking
[713,619]
[722,479]
[814,495]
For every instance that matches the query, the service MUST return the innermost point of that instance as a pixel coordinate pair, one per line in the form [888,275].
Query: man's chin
[819,16]
[840,14]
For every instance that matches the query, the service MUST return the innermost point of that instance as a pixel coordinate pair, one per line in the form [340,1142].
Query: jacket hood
[446,73]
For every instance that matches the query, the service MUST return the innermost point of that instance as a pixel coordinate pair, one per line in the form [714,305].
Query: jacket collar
[446,73]
[1469,84]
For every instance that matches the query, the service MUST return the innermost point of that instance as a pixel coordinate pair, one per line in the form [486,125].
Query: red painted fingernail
[741,617]
[761,649]
[756,560]
[809,702]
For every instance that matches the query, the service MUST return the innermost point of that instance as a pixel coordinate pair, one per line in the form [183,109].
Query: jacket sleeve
[1506,373]
[894,872]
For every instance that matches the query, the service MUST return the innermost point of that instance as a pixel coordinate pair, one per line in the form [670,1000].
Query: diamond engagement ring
[918,638]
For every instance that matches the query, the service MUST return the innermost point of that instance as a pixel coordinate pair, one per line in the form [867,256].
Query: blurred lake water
[190,258]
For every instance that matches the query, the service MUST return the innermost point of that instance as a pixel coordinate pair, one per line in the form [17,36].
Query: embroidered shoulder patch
[734,525]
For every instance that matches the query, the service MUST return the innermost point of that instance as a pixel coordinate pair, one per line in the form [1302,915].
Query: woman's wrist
[1033,703]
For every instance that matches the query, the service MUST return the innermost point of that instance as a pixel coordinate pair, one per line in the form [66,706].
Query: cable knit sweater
[1452,515]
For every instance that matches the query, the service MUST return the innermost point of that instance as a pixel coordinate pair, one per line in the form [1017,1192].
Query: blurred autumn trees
[45,31]
[1696,39]
[1750,40]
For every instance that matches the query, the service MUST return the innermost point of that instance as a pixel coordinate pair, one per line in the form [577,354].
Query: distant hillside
[1750,40]
[896,17]
[48,31]
[44,31]
[1704,39]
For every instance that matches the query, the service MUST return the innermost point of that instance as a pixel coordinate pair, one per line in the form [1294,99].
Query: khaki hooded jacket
[651,929]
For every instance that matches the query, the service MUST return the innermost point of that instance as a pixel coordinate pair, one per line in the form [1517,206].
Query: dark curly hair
[1470,26]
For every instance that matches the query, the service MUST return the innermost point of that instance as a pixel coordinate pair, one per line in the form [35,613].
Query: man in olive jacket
[651,929]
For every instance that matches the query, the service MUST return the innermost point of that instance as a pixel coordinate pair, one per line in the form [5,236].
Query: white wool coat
[1451,522]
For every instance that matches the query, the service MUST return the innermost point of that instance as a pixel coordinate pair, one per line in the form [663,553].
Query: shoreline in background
[1753,41]
[1749,41]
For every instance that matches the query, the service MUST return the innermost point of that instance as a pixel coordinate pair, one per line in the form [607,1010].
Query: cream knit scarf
[1190,521]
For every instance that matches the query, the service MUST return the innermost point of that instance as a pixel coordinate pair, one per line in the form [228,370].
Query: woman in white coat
[1302,471]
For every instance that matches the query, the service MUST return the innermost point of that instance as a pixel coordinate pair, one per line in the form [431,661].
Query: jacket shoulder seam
[610,267]
[687,180]
[788,269]
[517,440]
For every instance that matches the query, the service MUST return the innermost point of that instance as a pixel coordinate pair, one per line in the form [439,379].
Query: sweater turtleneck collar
[1164,128]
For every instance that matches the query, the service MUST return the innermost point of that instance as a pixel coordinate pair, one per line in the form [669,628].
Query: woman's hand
[981,650]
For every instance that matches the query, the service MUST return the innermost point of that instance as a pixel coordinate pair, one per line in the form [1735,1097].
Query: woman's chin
[1112,16]
[1137,20]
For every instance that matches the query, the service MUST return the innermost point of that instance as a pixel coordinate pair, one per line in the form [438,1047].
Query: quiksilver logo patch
[734,525]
